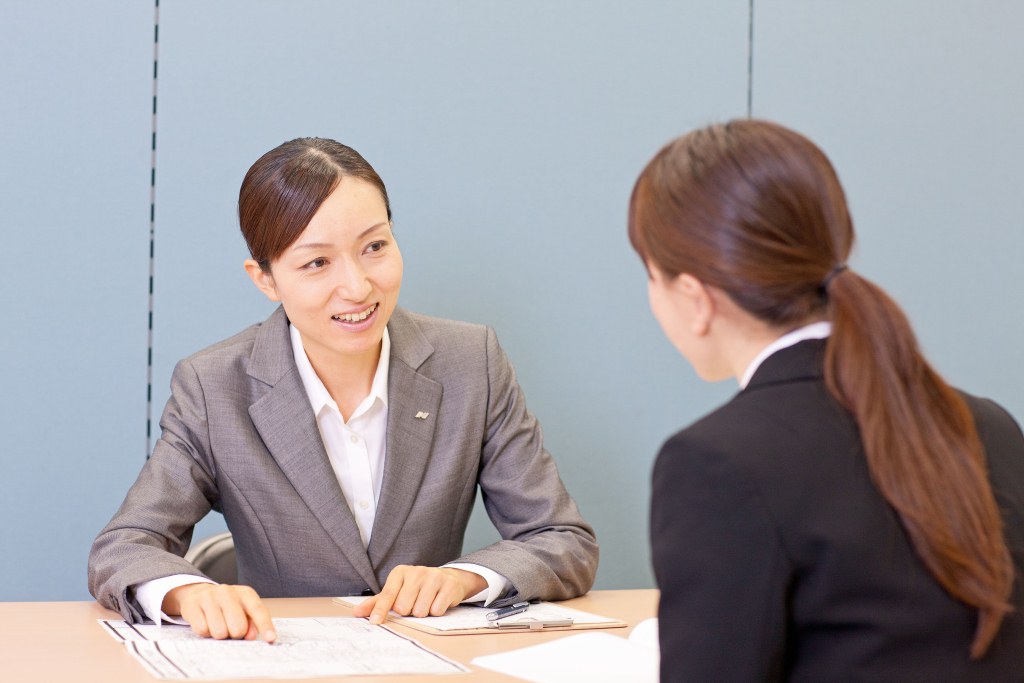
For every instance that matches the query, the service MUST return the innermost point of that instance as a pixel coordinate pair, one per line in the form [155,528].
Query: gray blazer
[239,436]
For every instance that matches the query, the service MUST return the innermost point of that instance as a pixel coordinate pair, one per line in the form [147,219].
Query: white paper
[468,617]
[592,657]
[305,647]
[645,634]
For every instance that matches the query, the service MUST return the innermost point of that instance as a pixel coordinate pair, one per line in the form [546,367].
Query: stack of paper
[592,657]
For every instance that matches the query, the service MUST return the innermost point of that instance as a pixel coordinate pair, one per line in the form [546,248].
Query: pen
[530,625]
[507,611]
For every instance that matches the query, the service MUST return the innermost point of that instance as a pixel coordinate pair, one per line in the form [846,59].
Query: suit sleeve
[150,533]
[548,552]
[720,567]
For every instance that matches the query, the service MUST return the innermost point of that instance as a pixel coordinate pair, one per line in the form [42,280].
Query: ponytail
[922,448]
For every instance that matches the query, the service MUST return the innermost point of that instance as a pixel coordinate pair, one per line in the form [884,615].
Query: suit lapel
[413,404]
[286,423]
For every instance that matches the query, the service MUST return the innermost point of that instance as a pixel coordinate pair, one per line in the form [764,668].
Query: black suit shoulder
[778,559]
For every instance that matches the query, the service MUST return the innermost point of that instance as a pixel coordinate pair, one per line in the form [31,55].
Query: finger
[259,616]
[364,608]
[449,596]
[215,623]
[192,614]
[424,601]
[381,606]
[413,579]
[236,621]
[386,598]
[431,586]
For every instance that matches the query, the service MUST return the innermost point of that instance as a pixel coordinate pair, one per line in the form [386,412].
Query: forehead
[353,208]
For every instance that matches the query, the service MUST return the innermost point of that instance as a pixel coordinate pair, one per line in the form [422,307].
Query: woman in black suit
[848,515]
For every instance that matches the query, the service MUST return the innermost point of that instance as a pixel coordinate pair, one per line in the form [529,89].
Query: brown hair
[284,188]
[757,211]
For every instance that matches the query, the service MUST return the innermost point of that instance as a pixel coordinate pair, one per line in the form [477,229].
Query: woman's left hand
[421,592]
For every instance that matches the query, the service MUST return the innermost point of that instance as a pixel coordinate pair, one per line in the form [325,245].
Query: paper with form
[305,647]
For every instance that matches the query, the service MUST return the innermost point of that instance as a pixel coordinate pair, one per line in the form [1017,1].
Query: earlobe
[705,312]
[263,280]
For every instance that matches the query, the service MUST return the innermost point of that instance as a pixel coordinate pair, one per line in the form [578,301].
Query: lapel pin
[422,415]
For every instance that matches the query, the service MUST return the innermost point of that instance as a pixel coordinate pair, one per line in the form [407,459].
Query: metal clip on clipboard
[529,624]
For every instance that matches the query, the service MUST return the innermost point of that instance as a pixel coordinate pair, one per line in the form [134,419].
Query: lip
[360,325]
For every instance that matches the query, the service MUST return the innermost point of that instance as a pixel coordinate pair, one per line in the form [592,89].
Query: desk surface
[61,641]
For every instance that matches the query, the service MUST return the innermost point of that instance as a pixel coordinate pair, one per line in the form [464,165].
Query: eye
[375,246]
[315,264]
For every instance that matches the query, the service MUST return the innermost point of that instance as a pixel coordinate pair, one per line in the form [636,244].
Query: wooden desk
[61,641]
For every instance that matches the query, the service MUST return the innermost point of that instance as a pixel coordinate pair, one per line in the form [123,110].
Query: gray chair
[215,557]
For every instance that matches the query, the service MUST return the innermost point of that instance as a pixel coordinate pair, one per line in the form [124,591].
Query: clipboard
[468,620]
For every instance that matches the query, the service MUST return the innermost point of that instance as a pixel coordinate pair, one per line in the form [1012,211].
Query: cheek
[391,277]
[659,306]
[671,322]
[652,298]
[301,295]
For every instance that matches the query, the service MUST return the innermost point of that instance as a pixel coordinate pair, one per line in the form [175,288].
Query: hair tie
[831,276]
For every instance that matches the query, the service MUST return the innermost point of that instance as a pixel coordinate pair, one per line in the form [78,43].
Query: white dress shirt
[356,450]
[818,330]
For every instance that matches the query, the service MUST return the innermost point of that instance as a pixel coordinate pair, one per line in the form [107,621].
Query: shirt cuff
[151,594]
[497,585]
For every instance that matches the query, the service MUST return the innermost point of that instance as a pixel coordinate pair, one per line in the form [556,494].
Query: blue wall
[509,135]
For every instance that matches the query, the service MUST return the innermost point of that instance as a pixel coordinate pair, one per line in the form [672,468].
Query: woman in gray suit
[848,515]
[343,438]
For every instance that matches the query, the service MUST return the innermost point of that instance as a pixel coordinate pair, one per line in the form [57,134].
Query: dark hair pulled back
[757,211]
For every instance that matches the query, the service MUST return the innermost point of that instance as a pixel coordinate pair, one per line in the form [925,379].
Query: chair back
[215,557]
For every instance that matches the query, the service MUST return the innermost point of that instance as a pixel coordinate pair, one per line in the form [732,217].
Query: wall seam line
[152,233]
[750,60]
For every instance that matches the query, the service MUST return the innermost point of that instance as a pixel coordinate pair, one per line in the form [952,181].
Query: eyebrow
[325,245]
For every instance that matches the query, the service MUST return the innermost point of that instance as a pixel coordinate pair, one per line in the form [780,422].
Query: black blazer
[778,559]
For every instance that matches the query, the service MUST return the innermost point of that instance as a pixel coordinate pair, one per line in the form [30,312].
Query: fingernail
[375,619]
[269,636]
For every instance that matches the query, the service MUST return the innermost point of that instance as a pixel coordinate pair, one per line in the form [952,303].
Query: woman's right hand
[221,611]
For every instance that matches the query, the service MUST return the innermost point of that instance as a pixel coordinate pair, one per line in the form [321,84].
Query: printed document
[305,647]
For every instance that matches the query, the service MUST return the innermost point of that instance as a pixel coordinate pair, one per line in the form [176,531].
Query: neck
[741,338]
[784,337]
[742,349]
[348,379]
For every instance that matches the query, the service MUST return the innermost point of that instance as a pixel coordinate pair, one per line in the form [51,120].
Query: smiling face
[339,280]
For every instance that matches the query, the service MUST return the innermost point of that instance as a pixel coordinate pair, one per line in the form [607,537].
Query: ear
[698,297]
[262,279]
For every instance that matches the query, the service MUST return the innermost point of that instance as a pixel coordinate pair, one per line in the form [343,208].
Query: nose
[352,283]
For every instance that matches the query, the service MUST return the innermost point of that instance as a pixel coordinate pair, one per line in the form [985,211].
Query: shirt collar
[317,393]
[818,330]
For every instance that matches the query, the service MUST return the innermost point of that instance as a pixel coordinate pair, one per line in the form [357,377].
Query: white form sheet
[305,648]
